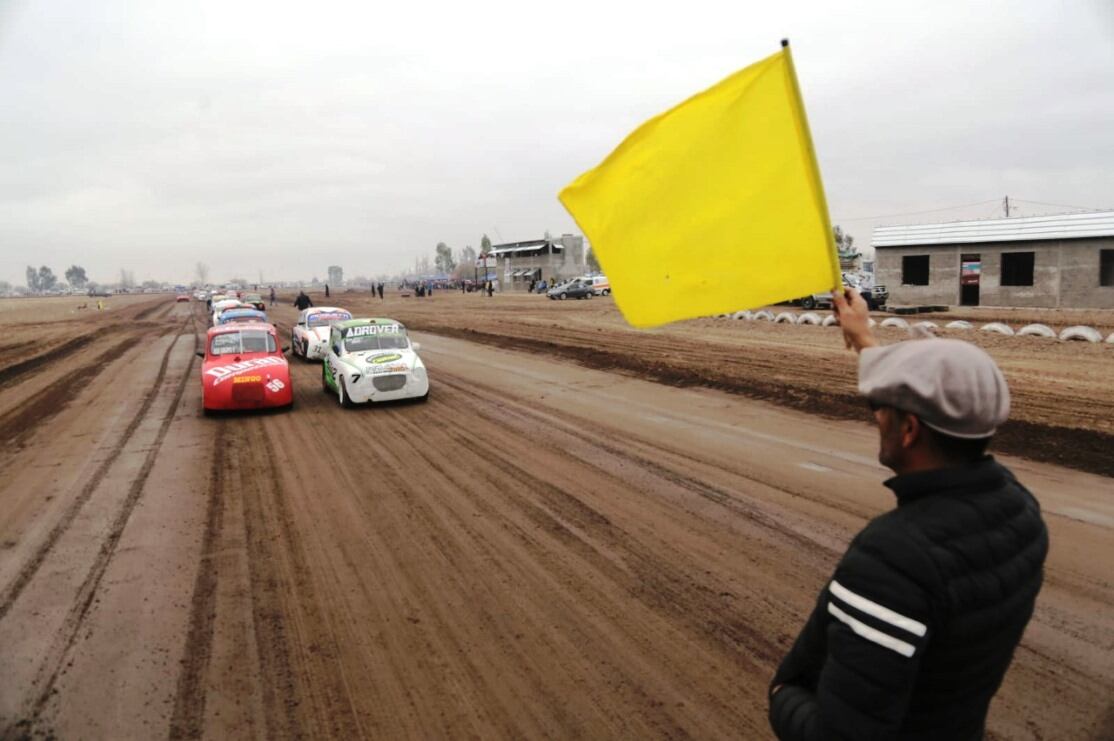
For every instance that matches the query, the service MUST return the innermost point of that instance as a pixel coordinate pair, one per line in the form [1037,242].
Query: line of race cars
[362,360]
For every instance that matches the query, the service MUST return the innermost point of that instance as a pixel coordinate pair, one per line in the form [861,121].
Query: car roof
[222,328]
[327,309]
[365,322]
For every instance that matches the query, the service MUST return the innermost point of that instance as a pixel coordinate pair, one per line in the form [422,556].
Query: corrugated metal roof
[1020,228]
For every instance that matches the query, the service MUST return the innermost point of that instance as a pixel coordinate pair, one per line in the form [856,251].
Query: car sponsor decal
[275,385]
[396,368]
[370,329]
[222,373]
[388,358]
[247,379]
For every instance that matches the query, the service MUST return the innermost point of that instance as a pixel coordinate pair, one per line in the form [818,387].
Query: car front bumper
[389,386]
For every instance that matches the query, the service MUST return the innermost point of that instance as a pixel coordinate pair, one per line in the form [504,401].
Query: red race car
[244,368]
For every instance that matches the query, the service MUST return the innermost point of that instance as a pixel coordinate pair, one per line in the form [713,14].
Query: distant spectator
[302,302]
[326,290]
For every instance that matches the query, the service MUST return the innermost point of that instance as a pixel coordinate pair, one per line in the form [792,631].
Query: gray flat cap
[952,386]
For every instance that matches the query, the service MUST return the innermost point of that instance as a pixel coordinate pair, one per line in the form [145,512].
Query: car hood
[218,371]
[385,361]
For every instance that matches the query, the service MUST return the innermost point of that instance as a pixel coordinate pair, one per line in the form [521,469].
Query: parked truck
[875,295]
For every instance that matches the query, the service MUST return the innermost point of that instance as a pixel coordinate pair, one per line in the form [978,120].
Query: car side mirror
[200,353]
[416,345]
[285,349]
[336,350]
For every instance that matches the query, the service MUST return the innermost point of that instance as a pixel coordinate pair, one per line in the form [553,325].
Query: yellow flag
[713,206]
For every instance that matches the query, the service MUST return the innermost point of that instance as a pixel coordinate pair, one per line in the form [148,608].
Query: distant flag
[713,206]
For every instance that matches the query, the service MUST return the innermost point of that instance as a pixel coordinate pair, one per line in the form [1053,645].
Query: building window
[914,270]
[1017,268]
[1106,267]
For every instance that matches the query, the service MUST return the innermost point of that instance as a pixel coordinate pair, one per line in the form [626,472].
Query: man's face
[890,450]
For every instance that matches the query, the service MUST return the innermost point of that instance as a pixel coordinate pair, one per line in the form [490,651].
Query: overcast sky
[277,139]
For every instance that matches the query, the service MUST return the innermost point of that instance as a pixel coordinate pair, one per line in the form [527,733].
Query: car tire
[345,400]
[607,292]
[590,294]
[324,383]
[563,296]
[808,303]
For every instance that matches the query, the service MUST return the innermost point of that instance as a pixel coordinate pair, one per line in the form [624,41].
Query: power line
[917,213]
[1061,205]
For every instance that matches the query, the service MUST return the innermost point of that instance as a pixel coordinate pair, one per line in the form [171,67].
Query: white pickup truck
[875,296]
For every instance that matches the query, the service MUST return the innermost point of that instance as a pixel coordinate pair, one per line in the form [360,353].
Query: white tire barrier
[895,322]
[786,317]
[763,316]
[1085,334]
[1110,339]
[830,320]
[927,325]
[959,324]
[997,328]
[809,317]
[1037,330]
[744,315]
[872,323]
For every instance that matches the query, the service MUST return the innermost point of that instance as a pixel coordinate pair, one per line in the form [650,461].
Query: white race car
[372,360]
[221,305]
[310,336]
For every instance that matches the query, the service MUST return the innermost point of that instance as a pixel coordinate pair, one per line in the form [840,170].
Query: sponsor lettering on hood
[386,358]
[222,373]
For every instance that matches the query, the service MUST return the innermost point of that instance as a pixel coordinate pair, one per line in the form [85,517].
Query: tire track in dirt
[16,370]
[54,662]
[24,420]
[287,610]
[187,720]
[11,593]
[661,586]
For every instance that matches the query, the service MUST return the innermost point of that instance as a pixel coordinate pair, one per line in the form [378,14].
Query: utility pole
[1006,205]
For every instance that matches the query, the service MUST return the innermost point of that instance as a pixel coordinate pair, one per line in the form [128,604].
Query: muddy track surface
[1062,413]
[542,550]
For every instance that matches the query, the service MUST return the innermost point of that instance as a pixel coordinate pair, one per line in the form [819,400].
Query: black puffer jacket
[913,634]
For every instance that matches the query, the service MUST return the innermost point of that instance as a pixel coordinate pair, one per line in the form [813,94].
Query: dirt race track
[544,549]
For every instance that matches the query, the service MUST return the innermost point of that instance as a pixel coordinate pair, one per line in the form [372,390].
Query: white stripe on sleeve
[876,610]
[869,633]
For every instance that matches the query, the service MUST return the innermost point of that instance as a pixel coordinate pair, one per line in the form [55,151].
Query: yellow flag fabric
[713,206]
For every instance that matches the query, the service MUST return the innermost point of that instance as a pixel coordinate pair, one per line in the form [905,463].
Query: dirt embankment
[1063,408]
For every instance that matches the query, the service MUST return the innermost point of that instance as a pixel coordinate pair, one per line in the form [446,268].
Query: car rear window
[245,341]
[324,318]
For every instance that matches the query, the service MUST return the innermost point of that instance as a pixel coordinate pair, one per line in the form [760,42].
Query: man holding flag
[717,205]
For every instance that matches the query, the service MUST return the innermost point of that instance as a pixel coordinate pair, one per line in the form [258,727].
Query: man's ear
[911,430]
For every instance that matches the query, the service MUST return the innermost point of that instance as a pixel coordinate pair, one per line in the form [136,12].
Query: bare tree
[201,270]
